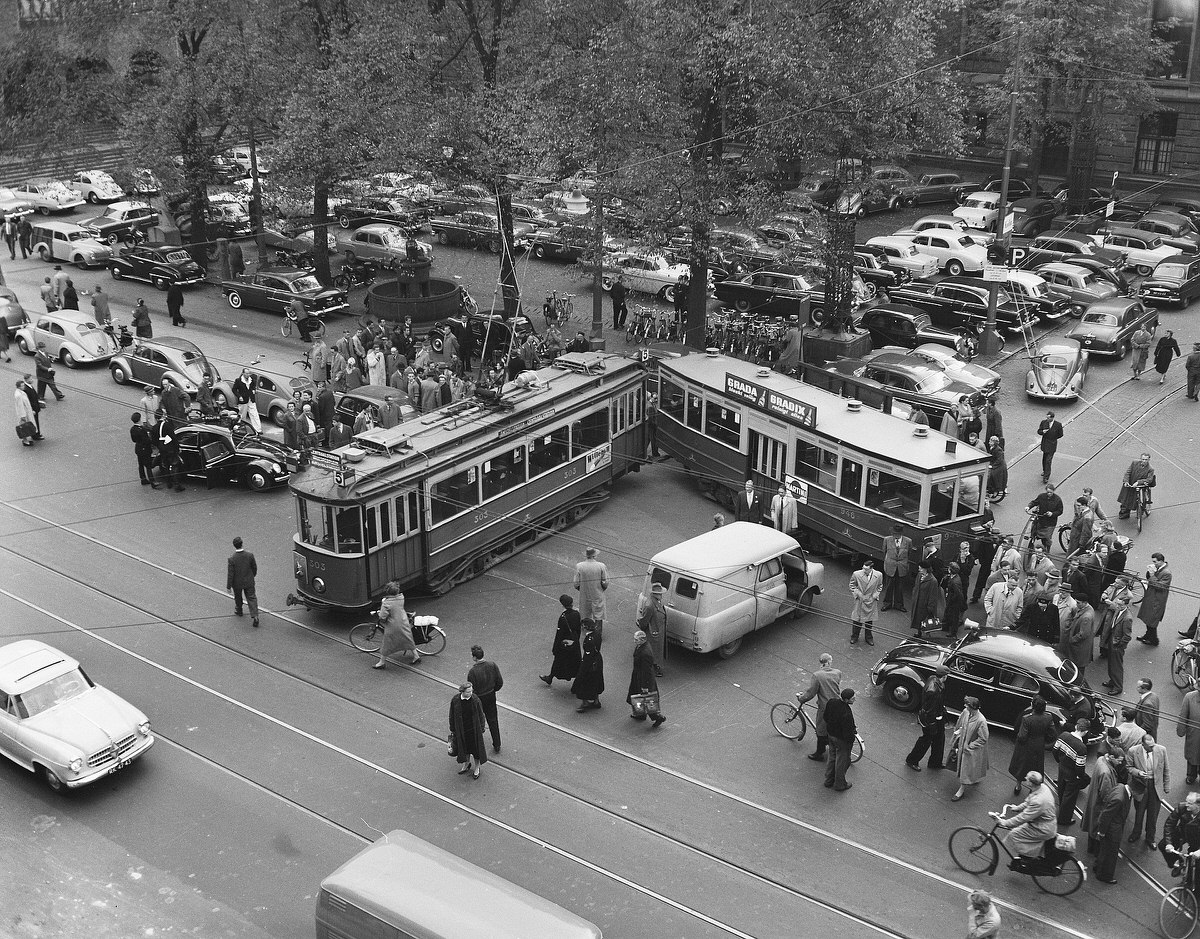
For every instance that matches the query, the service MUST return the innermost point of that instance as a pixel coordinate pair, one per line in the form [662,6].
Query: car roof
[1059,344]
[716,554]
[67,316]
[27,663]
[985,194]
[1066,267]
[902,309]
[1175,218]
[374,394]
[1004,646]
[892,241]
[1111,305]
[285,274]
[1031,201]
[1028,278]
[972,282]
[381,226]
[1067,236]
[172,342]
[1180,259]
[952,221]
[128,204]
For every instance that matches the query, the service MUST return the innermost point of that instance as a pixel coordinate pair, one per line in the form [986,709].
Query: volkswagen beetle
[1059,370]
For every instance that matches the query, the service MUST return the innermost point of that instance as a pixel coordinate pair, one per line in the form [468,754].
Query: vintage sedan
[946,223]
[149,361]
[274,291]
[876,273]
[48,195]
[13,206]
[488,333]
[1032,216]
[96,186]
[298,244]
[1076,284]
[1174,229]
[1002,668]
[1058,371]
[901,253]
[647,273]
[1175,281]
[11,310]
[122,221]
[213,452]
[273,393]
[979,376]
[370,398]
[58,723]
[568,243]
[1143,250]
[1107,327]
[910,381]
[390,210]
[160,265]
[896,324]
[478,228]
[980,210]
[456,201]
[1033,294]
[71,336]
[955,254]
[935,187]
[384,244]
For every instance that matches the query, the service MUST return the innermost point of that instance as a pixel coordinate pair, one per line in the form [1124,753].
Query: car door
[970,677]
[274,293]
[770,592]
[13,742]
[1013,694]
[904,332]
[265,395]
[188,440]
[221,463]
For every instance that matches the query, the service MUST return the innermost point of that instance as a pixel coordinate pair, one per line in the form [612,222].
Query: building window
[1155,143]
[1174,21]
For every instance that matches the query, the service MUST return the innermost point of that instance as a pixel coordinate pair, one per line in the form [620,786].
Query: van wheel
[730,648]
[804,605]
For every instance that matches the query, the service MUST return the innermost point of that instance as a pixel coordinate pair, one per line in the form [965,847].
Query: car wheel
[437,342]
[91,197]
[235,299]
[668,293]
[223,401]
[870,291]
[816,315]
[50,778]
[606,284]
[722,207]
[443,238]
[954,267]
[1143,270]
[894,203]
[115,272]
[43,252]
[45,210]
[730,648]
[257,480]
[343,221]
[742,306]
[161,283]
[120,376]
[1122,351]
[80,262]
[861,211]
[23,345]
[902,694]
[1076,310]
[539,251]
[68,360]
[494,246]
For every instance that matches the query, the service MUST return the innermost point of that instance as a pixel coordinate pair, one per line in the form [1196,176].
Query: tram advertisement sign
[599,457]
[767,399]
[797,487]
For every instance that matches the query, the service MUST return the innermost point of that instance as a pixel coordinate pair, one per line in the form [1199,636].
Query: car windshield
[57,690]
[308,282]
[1171,271]
[393,238]
[1100,319]
[935,381]
[979,203]
[926,180]
[906,251]
[179,257]
[1153,243]
[1036,289]
[1052,361]
[966,242]
[78,236]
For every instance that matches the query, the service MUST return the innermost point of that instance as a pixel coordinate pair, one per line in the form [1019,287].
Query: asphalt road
[280,751]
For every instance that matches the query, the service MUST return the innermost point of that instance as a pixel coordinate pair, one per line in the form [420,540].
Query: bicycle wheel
[367,637]
[857,749]
[1181,670]
[317,329]
[1177,914]
[1141,513]
[973,849]
[1137,590]
[1064,537]
[285,328]
[1064,884]
[789,720]
[435,641]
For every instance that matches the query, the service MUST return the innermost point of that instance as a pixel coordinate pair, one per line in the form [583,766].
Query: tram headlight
[318,584]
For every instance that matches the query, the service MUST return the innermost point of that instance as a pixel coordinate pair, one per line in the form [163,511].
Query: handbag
[451,745]
[644,704]
[951,762]
[26,429]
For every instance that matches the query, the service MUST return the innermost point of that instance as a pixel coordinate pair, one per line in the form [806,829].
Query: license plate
[119,766]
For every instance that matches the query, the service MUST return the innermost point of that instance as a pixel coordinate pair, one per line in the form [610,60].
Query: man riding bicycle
[1181,835]
[1139,476]
[1034,823]
[298,313]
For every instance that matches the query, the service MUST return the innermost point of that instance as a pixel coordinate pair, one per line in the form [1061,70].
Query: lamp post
[989,342]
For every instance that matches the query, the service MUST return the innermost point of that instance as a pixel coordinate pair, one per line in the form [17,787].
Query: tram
[444,496]
[854,470]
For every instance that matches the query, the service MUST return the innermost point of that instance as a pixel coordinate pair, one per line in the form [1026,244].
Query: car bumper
[189,280]
[334,308]
[90,775]
[1034,390]
[64,206]
[1157,295]
[1096,346]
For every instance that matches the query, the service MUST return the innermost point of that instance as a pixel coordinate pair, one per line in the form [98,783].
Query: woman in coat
[589,682]
[142,326]
[971,743]
[1166,350]
[956,600]
[291,427]
[25,414]
[1141,349]
[642,680]
[998,477]
[566,643]
[929,603]
[1188,727]
[397,630]
[1029,754]
[466,723]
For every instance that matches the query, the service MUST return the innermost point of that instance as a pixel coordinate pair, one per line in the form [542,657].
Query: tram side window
[808,460]
[316,523]
[851,481]
[900,498]
[695,411]
[723,424]
[545,453]
[969,493]
[454,495]
[670,400]
[400,527]
[348,523]
[589,432]
[503,472]
[379,524]
[414,514]
[941,501]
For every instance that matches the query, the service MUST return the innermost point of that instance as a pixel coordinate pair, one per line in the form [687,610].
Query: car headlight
[278,468]
[144,728]
[76,764]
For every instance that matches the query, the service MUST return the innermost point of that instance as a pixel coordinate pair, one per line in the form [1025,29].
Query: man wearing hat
[1039,619]
[932,718]
[896,548]
[1192,364]
[591,580]
[824,685]
[45,373]
[652,620]
[866,584]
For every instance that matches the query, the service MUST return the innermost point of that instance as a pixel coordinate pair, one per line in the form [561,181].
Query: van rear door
[681,598]
[770,592]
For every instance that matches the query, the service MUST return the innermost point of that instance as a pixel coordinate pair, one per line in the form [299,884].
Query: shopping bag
[26,429]
[644,704]
[451,744]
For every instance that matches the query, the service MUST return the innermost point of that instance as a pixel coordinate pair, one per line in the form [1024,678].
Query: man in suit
[1051,432]
[1146,711]
[1113,812]
[748,505]
[1149,780]
[839,724]
[826,684]
[240,580]
[34,402]
[896,548]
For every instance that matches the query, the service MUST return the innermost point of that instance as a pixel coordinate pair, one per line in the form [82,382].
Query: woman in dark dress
[642,680]
[956,600]
[466,723]
[589,682]
[1166,350]
[1035,728]
[998,476]
[397,628]
[566,643]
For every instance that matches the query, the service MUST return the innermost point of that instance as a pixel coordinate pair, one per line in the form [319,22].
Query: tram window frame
[401,528]
[414,513]
[671,398]
[512,462]
[717,426]
[941,503]
[355,514]
[845,471]
[589,432]
[963,507]
[695,411]
[559,440]
[321,534]
[377,520]
[896,486]
[445,504]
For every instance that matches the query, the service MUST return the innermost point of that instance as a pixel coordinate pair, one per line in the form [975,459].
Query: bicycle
[429,637]
[305,361]
[977,851]
[314,324]
[558,309]
[641,325]
[1178,911]
[1143,506]
[792,721]
[1183,664]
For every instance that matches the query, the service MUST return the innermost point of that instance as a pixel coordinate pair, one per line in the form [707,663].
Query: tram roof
[463,426]
[873,432]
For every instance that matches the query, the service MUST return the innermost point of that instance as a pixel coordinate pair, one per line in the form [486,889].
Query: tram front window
[900,498]
[348,523]
[316,524]
[695,411]
[970,490]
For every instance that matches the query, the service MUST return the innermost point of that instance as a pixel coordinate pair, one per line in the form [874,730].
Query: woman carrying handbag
[643,686]
[969,747]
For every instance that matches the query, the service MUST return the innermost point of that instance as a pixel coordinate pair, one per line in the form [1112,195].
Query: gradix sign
[773,402]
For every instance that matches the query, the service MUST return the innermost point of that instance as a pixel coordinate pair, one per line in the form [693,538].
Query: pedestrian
[1166,349]
[27,428]
[466,724]
[642,680]
[338,367]
[589,683]
[1111,817]
[485,678]
[1147,708]
[364,421]
[320,359]
[866,586]
[931,716]
[1039,620]
[4,339]
[1051,431]
[839,724]
[1004,602]
[591,580]
[1035,729]
[896,548]
[986,543]
[291,433]
[928,601]
[1104,780]
[1070,752]
[150,403]
[966,564]
[9,228]
[245,394]
[353,378]
[1078,634]
[1120,631]
[142,327]
[1140,474]
[1046,508]
[784,512]
[175,304]
[44,366]
[825,684]
[204,397]
[325,410]
[1149,782]
[1188,727]
[954,611]
[239,580]
[58,281]
[430,397]
[143,449]
[48,298]
[983,919]
[70,296]
[1154,606]
[25,236]
[679,299]
[566,650]
[168,451]
[748,505]
[339,434]
[1140,342]
[100,307]
[1035,820]
[619,310]
[718,520]
[1081,526]
[652,423]
[175,402]
[1192,365]
[397,628]
[237,260]
[652,620]
[789,355]
[969,747]
[377,371]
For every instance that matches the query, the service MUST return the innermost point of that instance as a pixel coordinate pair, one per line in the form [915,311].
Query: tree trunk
[696,327]
[839,272]
[195,172]
[321,229]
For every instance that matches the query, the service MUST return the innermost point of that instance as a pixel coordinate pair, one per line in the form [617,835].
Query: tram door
[768,462]
[393,541]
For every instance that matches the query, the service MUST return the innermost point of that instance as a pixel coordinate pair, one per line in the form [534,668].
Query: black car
[403,213]
[1002,668]
[215,454]
[877,272]
[1032,216]
[371,397]
[160,265]
[894,324]
[568,243]
[121,221]
[489,332]
[1175,280]
[460,200]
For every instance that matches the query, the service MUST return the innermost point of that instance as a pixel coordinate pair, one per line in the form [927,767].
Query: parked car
[820,189]
[971,373]
[567,243]
[66,241]
[1106,327]
[1103,269]
[455,201]
[160,265]
[929,223]
[149,361]
[95,186]
[1180,204]
[644,272]
[1031,292]
[273,393]
[1174,281]
[274,291]
[143,183]
[955,254]
[48,195]
[779,293]
[241,156]
[391,210]
[121,221]
[895,324]
[1173,228]
[877,274]
[1143,250]
[350,404]
[11,310]
[1078,285]
[1002,668]
[213,453]
[902,253]
[980,210]
[71,336]
[384,244]
[1058,371]
[478,228]
[301,243]
[744,251]
[13,206]
[1061,246]
[935,187]
[224,220]
[963,301]
[1032,216]
[61,725]
[915,383]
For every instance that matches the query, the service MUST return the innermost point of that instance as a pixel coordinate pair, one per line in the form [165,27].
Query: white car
[241,156]
[13,206]
[987,380]
[956,254]
[71,336]
[903,254]
[58,723]
[96,186]
[385,244]
[648,273]
[48,195]
[1143,250]
[945,223]
[980,210]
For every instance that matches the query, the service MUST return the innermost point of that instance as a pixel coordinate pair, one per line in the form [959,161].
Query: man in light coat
[896,548]
[825,685]
[1036,820]
[591,580]
[783,510]
[1003,603]
[1149,780]
[866,584]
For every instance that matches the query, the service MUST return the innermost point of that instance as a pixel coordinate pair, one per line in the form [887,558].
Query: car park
[1107,327]
[820,189]
[894,324]
[935,187]
[391,210]
[58,723]
[48,195]
[902,253]
[955,254]
[1058,370]
[913,382]
[1032,216]
[1076,284]
[274,291]
[1030,291]
[1175,281]
[95,186]
[644,272]
[1104,270]
[980,210]
[1174,229]
[71,336]
[160,265]
[1003,669]
[478,228]
[53,240]
[122,221]
[1142,250]
[386,245]
[149,361]
[213,452]
[1181,204]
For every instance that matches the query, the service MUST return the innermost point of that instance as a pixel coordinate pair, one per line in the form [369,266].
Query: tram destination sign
[771,401]
[326,460]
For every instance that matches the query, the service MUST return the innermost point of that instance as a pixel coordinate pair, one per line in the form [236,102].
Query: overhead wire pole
[989,342]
